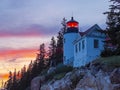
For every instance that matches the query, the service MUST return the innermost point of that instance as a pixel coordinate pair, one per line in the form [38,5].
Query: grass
[59,73]
[112,61]
[59,76]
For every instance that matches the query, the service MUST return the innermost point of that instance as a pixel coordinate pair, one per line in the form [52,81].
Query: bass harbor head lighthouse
[70,35]
[81,48]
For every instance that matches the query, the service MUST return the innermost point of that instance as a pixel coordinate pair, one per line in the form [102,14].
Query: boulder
[51,70]
[80,79]
[87,83]
[116,87]
[37,82]
[115,76]
[103,81]
[62,84]
[90,82]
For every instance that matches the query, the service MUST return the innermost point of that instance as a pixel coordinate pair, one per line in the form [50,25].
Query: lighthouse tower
[70,36]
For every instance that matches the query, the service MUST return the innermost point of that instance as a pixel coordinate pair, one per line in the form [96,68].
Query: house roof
[89,30]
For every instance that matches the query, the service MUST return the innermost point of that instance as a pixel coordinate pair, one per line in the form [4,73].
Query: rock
[80,79]
[58,85]
[115,76]
[103,81]
[63,84]
[116,87]
[51,70]
[37,82]
[90,82]
[94,68]
[87,83]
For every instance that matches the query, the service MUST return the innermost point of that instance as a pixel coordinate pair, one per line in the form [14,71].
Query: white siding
[93,53]
[80,56]
[69,48]
[89,53]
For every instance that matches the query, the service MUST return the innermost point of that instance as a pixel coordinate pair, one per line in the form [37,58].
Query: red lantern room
[72,26]
[72,23]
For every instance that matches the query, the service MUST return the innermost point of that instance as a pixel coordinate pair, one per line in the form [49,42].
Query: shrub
[60,68]
[106,53]
[59,76]
[44,71]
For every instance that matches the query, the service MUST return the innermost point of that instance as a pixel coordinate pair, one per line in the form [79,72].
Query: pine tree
[9,82]
[41,58]
[42,52]
[14,84]
[63,25]
[52,52]
[59,47]
[113,25]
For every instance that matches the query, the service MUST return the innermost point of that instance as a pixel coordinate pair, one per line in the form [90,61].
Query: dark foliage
[21,80]
[113,30]
[106,53]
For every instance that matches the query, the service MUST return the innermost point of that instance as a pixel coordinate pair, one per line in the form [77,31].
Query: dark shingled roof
[87,31]
[72,20]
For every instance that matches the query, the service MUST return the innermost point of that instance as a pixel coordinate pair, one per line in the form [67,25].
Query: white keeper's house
[80,48]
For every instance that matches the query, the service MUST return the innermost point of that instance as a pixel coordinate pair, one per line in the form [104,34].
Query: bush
[59,76]
[44,71]
[117,51]
[106,53]
[60,71]
[60,68]
[50,76]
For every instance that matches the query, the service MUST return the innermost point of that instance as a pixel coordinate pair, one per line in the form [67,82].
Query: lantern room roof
[72,21]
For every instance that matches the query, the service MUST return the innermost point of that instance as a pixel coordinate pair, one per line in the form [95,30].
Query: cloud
[14,59]
[4,76]
[13,55]
[30,30]
[16,13]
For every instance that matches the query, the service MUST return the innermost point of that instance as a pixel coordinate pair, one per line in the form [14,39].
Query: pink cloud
[30,53]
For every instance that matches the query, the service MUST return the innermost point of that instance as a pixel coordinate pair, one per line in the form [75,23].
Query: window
[83,44]
[76,48]
[79,46]
[96,43]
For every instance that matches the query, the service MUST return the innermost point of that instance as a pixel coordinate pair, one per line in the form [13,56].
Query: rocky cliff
[92,77]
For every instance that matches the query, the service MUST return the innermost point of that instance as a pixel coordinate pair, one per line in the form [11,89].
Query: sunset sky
[25,24]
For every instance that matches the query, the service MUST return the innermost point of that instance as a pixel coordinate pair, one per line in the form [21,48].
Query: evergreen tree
[14,84]
[42,52]
[113,25]
[59,47]
[116,1]
[9,82]
[52,52]
[63,25]
[41,58]
[18,75]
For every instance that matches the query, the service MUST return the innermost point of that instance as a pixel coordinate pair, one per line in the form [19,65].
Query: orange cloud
[23,56]
[18,53]
[4,77]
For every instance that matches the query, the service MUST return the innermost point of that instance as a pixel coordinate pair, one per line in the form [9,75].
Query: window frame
[76,49]
[96,43]
[83,44]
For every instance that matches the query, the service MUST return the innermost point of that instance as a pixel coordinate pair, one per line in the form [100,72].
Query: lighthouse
[70,35]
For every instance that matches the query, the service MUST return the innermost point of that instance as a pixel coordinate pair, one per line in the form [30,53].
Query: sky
[25,24]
